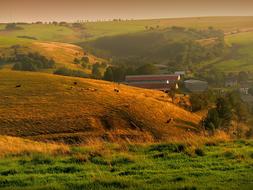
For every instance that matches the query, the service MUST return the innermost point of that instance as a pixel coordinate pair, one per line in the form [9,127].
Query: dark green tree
[96,73]
[212,121]
[224,111]
[108,74]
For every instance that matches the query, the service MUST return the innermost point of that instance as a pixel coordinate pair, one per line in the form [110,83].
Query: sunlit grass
[222,166]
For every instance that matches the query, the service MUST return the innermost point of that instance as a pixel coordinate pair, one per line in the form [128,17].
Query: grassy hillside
[227,24]
[92,30]
[64,54]
[226,166]
[236,58]
[241,58]
[52,107]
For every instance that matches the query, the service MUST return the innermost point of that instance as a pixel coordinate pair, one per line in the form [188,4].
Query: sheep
[18,86]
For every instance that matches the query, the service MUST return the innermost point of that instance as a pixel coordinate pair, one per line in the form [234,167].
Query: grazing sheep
[18,86]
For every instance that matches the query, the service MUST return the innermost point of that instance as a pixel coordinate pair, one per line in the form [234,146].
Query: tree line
[228,107]
[31,62]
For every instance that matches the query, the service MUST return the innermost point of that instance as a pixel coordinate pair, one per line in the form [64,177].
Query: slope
[71,110]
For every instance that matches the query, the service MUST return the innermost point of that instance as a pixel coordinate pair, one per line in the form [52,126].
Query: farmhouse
[157,82]
[196,85]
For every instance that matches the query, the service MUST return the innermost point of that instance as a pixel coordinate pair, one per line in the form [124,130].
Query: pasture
[223,165]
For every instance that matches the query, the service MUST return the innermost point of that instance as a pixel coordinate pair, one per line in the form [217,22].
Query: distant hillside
[71,110]
[238,32]
[177,46]
[63,54]
[239,55]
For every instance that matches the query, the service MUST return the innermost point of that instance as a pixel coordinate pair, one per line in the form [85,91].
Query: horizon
[125,19]
[71,11]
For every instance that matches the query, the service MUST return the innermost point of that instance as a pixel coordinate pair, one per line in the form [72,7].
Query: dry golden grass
[50,107]
[14,145]
[64,54]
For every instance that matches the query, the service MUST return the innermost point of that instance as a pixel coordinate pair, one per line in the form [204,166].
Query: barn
[196,85]
[157,82]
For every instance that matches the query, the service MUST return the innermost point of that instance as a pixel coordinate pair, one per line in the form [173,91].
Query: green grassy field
[41,32]
[57,33]
[239,56]
[161,166]
[227,24]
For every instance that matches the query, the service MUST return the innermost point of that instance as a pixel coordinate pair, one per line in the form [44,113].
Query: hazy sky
[72,10]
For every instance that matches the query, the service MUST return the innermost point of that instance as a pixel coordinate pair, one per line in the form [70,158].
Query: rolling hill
[72,110]
[237,30]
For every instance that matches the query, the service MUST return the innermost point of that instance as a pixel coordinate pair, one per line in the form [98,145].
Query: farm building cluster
[157,82]
[169,82]
[165,82]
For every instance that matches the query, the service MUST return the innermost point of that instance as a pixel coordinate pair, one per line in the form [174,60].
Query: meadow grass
[43,32]
[99,29]
[222,166]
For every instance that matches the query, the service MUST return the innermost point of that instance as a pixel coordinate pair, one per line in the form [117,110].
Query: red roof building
[158,82]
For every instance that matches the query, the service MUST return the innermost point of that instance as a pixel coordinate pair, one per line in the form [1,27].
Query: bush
[68,72]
